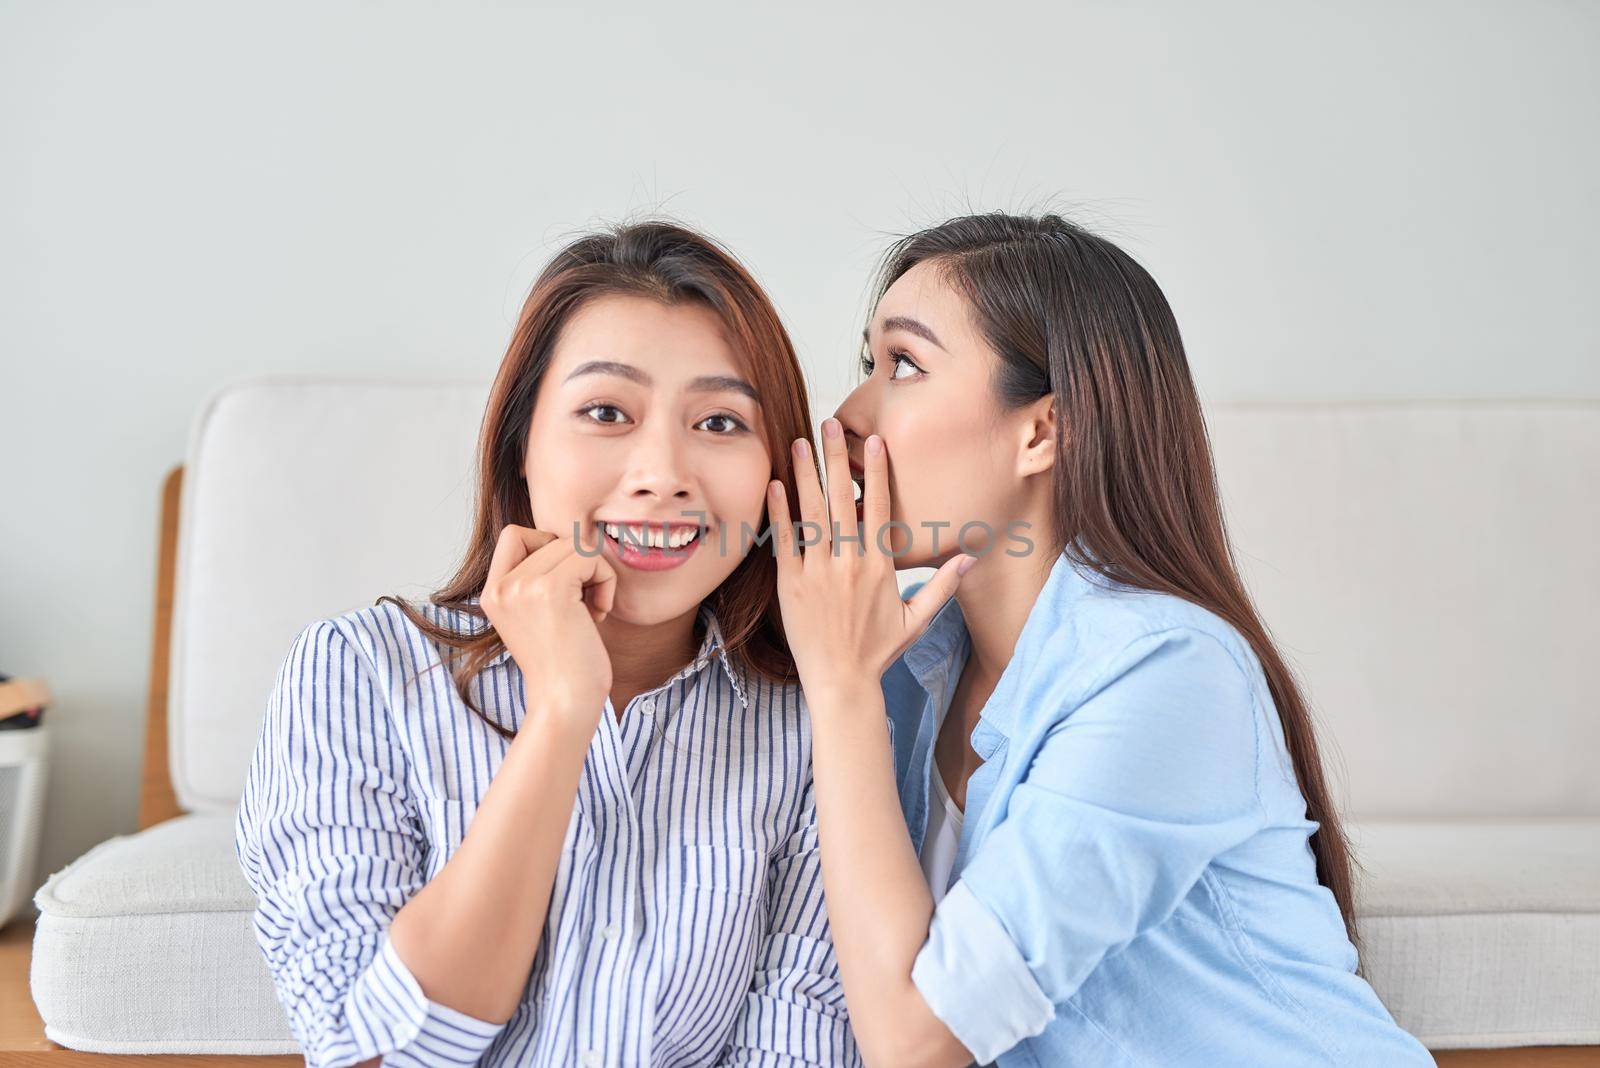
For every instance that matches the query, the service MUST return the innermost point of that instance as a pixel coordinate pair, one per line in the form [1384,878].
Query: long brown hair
[1135,489]
[674,265]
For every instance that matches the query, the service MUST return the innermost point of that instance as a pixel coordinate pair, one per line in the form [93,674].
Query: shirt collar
[944,646]
[712,645]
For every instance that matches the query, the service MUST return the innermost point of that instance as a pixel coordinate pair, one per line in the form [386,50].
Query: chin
[916,556]
[919,552]
[651,609]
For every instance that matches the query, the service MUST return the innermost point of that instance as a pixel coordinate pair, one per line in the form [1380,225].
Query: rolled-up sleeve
[1127,798]
[794,1014]
[329,841]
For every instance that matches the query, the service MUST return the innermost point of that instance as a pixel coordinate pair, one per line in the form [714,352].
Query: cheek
[567,481]
[936,451]
[734,482]
[736,486]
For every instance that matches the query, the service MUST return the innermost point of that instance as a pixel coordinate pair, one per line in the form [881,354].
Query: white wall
[1356,200]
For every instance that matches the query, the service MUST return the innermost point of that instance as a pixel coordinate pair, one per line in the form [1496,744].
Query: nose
[658,467]
[856,416]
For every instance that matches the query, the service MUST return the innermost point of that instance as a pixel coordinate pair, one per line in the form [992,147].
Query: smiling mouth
[651,546]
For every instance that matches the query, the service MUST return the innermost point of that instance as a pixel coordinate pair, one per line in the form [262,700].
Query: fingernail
[966,564]
[802,448]
[874,445]
[831,428]
[774,489]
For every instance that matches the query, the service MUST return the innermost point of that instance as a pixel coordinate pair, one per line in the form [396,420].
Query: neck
[996,597]
[645,656]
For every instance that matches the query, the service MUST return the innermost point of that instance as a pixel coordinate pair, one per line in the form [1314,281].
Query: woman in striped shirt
[562,814]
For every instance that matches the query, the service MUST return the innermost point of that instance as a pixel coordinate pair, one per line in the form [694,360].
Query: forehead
[924,293]
[671,341]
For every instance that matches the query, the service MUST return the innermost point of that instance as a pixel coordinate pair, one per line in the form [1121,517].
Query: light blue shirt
[686,924]
[1134,884]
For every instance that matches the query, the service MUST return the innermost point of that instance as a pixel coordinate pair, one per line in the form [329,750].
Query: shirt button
[609,932]
[591,1058]
[648,706]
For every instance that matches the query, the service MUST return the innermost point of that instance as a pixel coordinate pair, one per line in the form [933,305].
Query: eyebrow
[910,326]
[702,384]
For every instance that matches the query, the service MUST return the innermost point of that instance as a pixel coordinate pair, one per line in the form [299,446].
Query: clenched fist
[544,598]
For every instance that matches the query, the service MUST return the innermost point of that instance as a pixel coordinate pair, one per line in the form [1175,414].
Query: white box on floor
[22,778]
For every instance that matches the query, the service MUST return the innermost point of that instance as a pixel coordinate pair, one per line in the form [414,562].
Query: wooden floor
[1526,1057]
[23,1045]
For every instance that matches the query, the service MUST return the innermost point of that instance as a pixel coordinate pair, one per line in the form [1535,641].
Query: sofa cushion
[1474,933]
[144,945]
[1483,933]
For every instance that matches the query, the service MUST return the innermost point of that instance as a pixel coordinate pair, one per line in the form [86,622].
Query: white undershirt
[942,837]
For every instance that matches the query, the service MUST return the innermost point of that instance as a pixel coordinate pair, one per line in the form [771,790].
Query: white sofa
[1430,567]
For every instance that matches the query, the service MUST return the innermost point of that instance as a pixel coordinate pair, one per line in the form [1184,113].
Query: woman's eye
[904,365]
[902,362]
[605,414]
[726,424]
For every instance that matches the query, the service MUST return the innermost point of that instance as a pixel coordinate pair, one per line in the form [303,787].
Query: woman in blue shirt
[1131,856]
[561,814]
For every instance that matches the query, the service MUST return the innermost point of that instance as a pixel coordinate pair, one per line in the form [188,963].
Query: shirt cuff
[975,981]
[388,1013]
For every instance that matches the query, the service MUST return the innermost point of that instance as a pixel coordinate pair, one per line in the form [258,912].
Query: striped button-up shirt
[686,924]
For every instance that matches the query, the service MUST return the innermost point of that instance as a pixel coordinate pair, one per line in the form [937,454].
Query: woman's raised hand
[842,610]
[544,598]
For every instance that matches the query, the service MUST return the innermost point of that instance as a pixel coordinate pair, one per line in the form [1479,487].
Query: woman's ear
[1038,427]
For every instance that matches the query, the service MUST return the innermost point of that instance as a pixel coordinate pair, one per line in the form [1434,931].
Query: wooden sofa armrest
[157,800]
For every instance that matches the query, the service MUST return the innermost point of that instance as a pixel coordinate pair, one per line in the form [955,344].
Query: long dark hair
[674,265]
[1136,501]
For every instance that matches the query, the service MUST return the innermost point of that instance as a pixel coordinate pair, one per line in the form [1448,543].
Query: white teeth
[639,537]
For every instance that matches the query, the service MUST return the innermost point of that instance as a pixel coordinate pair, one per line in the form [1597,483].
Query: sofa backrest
[301,500]
[1429,568]
[1432,569]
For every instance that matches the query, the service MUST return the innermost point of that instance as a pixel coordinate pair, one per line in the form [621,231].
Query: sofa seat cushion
[1474,933]
[1483,933]
[144,945]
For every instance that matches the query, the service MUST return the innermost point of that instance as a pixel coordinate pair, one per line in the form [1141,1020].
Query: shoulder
[1122,628]
[1168,686]
[385,636]
[1086,631]
[774,722]
[1101,636]
[782,704]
